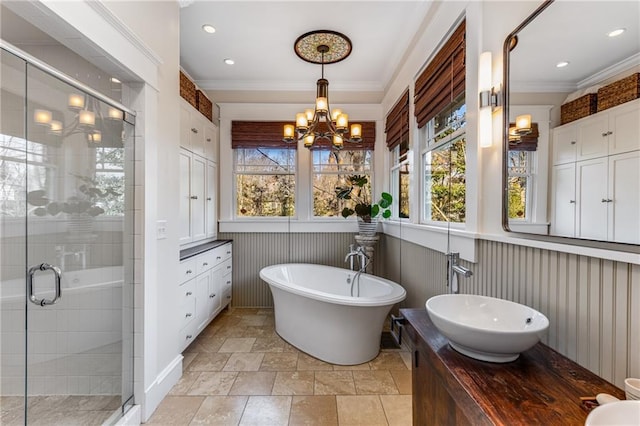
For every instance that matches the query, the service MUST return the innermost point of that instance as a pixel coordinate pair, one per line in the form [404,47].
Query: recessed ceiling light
[617,32]
[208,29]
[229,61]
[562,64]
[115,80]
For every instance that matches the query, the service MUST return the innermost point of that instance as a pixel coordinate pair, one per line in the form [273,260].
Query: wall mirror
[571,168]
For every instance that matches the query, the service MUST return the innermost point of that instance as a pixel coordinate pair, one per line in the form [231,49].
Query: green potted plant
[366,211]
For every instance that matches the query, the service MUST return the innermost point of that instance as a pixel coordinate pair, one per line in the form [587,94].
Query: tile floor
[239,371]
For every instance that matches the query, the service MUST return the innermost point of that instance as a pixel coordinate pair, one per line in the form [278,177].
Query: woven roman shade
[268,134]
[442,80]
[259,134]
[397,122]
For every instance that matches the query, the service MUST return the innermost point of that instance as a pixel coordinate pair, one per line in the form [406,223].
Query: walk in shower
[66,248]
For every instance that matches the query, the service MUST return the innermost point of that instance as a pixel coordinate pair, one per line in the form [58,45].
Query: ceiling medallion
[322,46]
[322,122]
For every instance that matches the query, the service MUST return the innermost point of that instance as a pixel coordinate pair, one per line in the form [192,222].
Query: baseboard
[131,417]
[161,386]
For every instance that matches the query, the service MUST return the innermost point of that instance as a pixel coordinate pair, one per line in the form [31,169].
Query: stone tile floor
[240,372]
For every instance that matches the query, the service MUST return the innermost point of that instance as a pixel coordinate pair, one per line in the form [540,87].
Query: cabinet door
[211,141]
[563,203]
[197,132]
[185,196]
[593,139]
[592,206]
[564,144]
[203,306]
[624,198]
[624,125]
[198,197]
[211,205]
[185,125]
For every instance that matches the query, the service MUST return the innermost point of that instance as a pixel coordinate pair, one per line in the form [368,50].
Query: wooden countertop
[541,387]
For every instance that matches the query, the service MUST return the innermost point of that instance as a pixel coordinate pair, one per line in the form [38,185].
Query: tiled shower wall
[593,305]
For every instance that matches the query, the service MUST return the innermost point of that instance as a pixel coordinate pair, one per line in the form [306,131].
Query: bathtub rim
[397,295]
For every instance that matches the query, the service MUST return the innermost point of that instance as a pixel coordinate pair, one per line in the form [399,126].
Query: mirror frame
[509,44]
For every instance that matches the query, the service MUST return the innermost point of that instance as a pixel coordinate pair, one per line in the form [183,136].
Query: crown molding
[267,85]
[118,25]
[611,71]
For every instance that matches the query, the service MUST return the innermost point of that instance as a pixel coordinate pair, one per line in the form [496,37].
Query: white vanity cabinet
[198,176]
[205,289]
[596,176]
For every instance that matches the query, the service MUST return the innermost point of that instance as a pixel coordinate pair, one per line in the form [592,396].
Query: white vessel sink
[486,328]
[615,413]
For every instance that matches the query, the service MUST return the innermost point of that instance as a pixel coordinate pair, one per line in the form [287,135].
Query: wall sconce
[488,100]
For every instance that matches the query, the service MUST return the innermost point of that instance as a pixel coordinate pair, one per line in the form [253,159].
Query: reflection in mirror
[574,69]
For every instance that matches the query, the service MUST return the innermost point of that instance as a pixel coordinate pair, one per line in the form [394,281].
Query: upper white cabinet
[613,131]
[198,175]
[595,191]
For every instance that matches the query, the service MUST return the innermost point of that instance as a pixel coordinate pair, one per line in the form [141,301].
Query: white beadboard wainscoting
[593,305]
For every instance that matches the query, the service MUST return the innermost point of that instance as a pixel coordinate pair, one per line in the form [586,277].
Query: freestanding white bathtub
[315,312]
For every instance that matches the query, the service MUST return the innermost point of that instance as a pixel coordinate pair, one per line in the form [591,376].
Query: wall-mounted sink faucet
[453,270]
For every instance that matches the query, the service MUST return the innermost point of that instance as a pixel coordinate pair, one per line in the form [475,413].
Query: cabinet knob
[218,257]
[208,139]
[211,296]
[228,297]
[228,282]
[609,133]
[208,198]
[189,271]
[607,200]
[228,267]
[205,264]
[194,130]
[572,201]
[189,293]
[187,315]
[194,197]
[189,336]
[573,142]
[605,134]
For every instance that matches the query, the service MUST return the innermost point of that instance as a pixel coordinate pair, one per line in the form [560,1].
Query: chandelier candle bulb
[289,131]
[309,113]
[87,118]
[356,131]
[42,116]
[76,102]
[337,141]
[308,140]
[115,113]
[335,113]
[301,121]
[95,137]
[56,127]
[321,105]
[342,123]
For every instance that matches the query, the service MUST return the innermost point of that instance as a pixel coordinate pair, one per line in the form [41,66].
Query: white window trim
[537,221]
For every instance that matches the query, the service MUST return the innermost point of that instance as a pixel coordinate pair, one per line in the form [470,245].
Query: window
[400,178]
[109,180]
[520,179]
[397,130]
[37,171]
[330,170]
[265,181]
[444,165]
[440,109]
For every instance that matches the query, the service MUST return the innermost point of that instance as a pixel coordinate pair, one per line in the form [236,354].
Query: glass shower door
[73,274]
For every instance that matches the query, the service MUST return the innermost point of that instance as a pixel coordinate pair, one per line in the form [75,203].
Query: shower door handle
[58,288]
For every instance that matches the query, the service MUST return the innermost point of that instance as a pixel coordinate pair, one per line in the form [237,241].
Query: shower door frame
[128,117]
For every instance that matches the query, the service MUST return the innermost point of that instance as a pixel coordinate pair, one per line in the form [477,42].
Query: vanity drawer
[226,267]
[187,335]
[187,270]
[222,253]
[205,261]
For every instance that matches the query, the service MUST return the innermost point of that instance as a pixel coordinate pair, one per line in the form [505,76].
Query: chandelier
[322,122]
[89,119]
